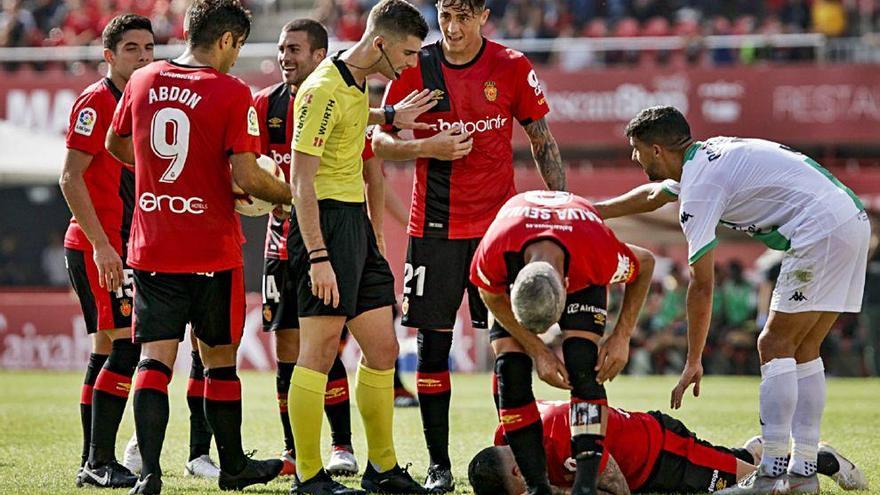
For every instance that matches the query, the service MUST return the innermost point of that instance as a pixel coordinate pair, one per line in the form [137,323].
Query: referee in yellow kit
[340,275]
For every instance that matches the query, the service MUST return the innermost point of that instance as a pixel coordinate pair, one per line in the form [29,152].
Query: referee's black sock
[199,430]
[282,387]
[151,412]
[435,391]
[110,395]
[223,410]
[96,361]
[588,404]
[337,404]
[520,419]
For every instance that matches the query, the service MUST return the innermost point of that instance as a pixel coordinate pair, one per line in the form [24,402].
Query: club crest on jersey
[490,90]
[125,307]
[275,122]
[267,312]
[253,127]
[85,121]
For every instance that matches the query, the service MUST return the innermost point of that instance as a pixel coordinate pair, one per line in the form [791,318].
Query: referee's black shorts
[363,276]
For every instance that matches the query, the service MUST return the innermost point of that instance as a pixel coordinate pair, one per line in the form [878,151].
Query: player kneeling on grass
[646,452]
[559,256]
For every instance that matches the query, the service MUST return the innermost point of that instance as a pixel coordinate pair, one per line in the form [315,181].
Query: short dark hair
[472,6]
[208,20]
[119,25]
[663,125]
[486,472]
[397,17]
[315,31]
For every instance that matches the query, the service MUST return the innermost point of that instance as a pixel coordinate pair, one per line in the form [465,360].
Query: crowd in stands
[80,22]
[628,18]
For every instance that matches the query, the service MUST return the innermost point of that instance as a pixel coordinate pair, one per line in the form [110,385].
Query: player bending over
[547,258]
[790,203]
[647,453]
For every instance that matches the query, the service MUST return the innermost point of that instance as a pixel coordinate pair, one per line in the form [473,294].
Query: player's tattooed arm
[612,481]
[546,154]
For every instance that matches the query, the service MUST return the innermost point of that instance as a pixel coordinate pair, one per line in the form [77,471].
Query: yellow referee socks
[374,394]
[306,406]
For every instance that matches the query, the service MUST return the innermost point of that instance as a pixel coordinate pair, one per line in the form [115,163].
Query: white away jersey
[773,193]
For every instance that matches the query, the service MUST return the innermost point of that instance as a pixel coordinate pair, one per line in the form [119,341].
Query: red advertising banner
[828,105]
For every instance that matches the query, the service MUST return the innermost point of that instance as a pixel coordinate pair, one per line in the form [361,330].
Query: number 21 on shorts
[418,274]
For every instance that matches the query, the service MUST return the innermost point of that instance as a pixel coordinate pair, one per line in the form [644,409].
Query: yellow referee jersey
[331,113]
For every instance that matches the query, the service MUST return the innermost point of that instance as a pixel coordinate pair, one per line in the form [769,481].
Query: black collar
[113,89]
[465,65]
[178,64]
[346,73]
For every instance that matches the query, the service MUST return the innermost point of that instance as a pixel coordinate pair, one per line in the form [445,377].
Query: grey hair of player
[537,296]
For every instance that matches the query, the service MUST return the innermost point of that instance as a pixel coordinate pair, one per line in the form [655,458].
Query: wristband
[390,112]
[319,259]
[313,251]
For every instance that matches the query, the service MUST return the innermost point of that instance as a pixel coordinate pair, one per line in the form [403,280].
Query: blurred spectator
[829,17]
[17,25]
[53,262]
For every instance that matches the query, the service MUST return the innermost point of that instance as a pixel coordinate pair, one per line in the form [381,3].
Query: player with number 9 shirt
[184,121]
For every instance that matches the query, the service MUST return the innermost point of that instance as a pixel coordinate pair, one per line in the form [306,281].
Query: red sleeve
[487,270]
[499,436]
[122,117]
[368,149]
[89,120]
[242,124]
[531,103]
[261,104]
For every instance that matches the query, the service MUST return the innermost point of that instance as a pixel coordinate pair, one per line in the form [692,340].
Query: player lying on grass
[646,452]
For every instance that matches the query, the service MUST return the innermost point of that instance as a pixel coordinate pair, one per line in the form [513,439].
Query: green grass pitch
[40,431]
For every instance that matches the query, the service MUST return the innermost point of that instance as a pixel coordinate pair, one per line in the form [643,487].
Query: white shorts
[827,275]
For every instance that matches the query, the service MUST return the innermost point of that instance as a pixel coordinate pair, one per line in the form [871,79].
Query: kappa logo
[798,296]
[685,216]
[85,121]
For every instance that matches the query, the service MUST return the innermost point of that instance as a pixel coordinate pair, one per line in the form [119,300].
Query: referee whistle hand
[109,266]
[410,108]
[324,283]
[692,374]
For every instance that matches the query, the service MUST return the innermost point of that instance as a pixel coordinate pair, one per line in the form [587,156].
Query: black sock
[110,395]
[337,404]
[199,430]
[282,388]
[96,361]
[151,412]
[743,455]
[523,429]
[435,391]
[827,464]
[588,401]
[223,410]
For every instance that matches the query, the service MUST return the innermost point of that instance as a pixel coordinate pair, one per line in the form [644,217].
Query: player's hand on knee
[324,283]
[550,369]
[109,267]
[613,356]
[692,374]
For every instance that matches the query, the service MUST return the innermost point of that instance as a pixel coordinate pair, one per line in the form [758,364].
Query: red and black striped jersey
[110,182]
[459,199]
